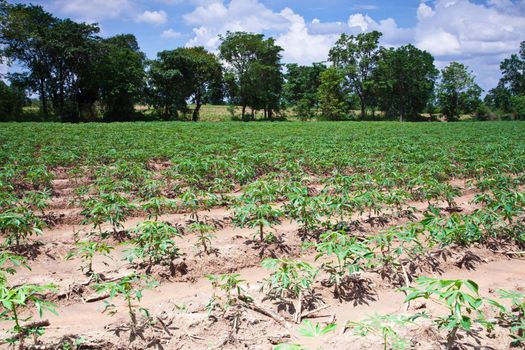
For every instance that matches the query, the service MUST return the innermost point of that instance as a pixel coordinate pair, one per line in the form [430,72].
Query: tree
[357,57]
[180,75]
[458,92]
[23,31]
[300,87]
[499,98]
[332,97]
[404,81]
[60,56]
[121,74]
[12,99]
[513,71]
[254,75]
[206,76]
[167,88]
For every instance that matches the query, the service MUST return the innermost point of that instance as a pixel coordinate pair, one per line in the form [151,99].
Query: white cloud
[170,34]
[92,10]
[293,41]
[480,35]
[476,34]
[152,17]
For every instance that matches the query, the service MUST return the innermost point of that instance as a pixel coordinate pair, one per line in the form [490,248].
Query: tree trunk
[43,98]
[363,110]
[198,103]
[243,112]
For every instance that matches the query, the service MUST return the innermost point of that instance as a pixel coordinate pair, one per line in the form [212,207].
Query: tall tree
[357,57]
[121,75]
[332,97]
[59,55]
[300,87]
[254,70]
[206,76]
[23,38]
[404,81]
[513,71]
[458,92]
[12,99]
[180,75]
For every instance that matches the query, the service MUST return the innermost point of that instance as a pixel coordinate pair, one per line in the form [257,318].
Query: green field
[411,147]
[217,224]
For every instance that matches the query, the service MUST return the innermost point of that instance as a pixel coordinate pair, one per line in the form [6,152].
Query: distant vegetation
[73,75]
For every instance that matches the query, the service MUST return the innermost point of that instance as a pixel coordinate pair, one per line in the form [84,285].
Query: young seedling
[317,330]
[291,279]
[385,327]
[16,300]
[18,224]
[515,317]
[460,297]
[156,206]
[205,236]
[111,208]
[87,251]
[228,296]
[131,288]
[154,244]
[259,216]
[351,256]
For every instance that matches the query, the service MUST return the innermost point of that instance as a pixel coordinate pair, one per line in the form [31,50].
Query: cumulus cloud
[152,17]
[170,34]
[93,10]
[477,34]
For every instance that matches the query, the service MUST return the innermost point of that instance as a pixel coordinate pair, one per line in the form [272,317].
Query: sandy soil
[178,303]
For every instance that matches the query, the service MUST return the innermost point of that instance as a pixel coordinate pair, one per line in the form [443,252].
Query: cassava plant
[460,298]
[204,237]
[153,244]
[229,297]
[290,280]
[19,299]
[131,289]
[386,327]
[87,251]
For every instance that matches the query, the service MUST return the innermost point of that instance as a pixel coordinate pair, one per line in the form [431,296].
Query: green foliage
[255,215]
[18,224]
[300,88]
[350,254]
[357,58]
[154,244]
[18,301]
[317,330]
[515,317]
[517,106]
[131,288]
[254,71]
[404,81]
[228,296]
[333,103]
[12,99]
[205,237]
[459,296]
[194,70]
[385,326]
[289,279]
[87,251]
[111,208]
[457,91]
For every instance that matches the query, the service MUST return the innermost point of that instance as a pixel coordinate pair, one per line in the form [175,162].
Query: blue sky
[479,33]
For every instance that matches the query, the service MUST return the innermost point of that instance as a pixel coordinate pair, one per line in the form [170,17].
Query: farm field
[324,235]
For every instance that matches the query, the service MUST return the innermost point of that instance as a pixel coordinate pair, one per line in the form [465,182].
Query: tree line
[79,76]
